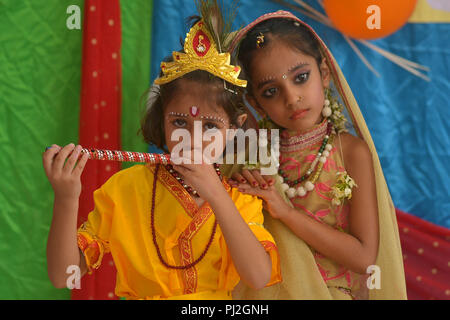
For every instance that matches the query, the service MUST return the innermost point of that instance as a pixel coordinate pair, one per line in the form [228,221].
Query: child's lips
[298,114]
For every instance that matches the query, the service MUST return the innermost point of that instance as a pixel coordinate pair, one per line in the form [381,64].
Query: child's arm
[355,250]
[62,246]
[249,257]
[252,262]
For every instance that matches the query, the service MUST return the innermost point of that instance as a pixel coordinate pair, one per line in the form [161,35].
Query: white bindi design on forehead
[296,66]
[268,78]
[300,64]
[178,114]
[213,118]
[205,117]
[284,76]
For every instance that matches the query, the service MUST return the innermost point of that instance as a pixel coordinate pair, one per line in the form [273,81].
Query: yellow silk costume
[121,224]
[303,270]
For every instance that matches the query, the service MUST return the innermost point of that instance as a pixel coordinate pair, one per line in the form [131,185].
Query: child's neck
[301,131]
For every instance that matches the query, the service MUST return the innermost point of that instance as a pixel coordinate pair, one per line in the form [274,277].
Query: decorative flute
[126,156]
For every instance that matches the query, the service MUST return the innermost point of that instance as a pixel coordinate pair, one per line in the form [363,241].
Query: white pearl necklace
[322,155]
[308,186]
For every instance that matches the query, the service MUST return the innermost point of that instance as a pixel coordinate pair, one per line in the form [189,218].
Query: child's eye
[269,92]
[302,77]
[210,126]
[180,123]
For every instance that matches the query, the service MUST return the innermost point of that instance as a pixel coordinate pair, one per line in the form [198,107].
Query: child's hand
[201,177]
[273,202]
[252,177]
[64,176]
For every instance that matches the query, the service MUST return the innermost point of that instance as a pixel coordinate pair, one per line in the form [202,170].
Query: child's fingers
[233,183]
[61,157]
[54,148]
[78,170]
[187,158]
[269,180]
[238,177]
[47,158]
[181,169]
[252,191]
[181,160]
[261,181]
[71,160]
[186,166]
[251,180]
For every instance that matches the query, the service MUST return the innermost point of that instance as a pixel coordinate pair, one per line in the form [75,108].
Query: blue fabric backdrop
[407,116]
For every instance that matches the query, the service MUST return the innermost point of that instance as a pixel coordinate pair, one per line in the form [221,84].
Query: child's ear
[325,72]
[241,119]
[252,101]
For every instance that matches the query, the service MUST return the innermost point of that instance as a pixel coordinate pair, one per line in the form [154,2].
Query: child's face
[288,86]
[193,106]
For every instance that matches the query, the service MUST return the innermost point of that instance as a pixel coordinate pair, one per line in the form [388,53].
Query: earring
[326,111]
[259,40]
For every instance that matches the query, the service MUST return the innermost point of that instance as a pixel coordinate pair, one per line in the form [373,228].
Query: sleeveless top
[297,152]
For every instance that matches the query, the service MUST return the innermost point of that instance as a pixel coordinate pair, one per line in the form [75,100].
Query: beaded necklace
[301,141]
[294,143]
[158,251]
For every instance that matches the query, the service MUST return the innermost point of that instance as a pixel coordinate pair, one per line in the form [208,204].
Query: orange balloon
[369,19]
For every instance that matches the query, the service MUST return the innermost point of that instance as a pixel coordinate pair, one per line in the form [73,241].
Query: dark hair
[291,32]
[229,97]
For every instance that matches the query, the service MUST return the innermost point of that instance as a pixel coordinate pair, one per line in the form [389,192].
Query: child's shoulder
[128,176]
[354,149]
[351,141]
[133,170]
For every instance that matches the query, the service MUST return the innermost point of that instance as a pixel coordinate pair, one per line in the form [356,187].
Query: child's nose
[293,98]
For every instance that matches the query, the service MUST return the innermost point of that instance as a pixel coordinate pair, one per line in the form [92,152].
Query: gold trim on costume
[185,241]
[176,189]
[199,215]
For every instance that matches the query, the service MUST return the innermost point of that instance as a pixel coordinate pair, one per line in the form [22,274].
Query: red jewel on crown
[201,43]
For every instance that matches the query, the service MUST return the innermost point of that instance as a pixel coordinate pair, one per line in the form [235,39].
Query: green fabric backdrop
[40,74]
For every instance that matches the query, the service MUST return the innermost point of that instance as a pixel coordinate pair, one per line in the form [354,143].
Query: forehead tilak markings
[205,117]
[284,76]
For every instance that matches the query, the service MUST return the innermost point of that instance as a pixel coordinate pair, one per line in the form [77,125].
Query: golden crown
[200,54]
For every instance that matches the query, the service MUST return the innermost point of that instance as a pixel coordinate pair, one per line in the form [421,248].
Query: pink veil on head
[301,277]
